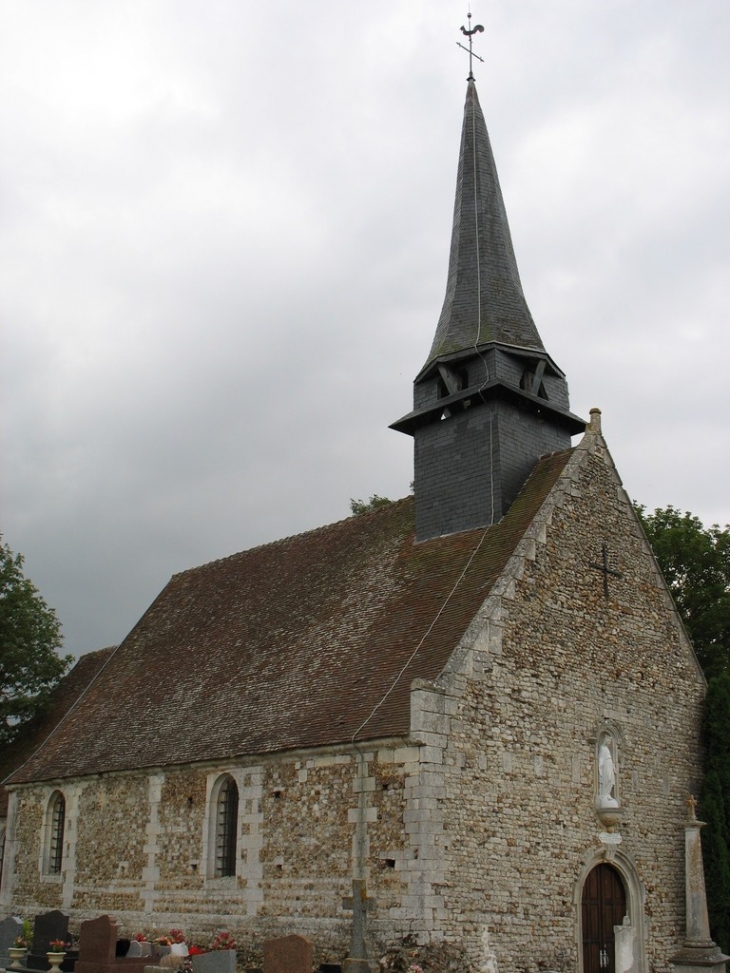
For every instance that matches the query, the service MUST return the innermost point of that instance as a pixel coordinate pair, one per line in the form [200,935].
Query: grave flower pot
[55,959]
[16,954]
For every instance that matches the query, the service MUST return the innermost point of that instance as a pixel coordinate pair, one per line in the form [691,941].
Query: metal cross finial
[605,570]
[477,29]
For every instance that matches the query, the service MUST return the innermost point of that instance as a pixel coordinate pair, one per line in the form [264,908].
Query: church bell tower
[489,400]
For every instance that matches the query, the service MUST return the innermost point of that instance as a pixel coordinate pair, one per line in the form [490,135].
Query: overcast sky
[224,235]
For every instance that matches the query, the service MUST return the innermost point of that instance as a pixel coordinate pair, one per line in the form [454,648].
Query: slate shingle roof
[289,645]
[484,299]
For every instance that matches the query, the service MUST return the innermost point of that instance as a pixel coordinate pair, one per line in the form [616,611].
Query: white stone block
[326,761]
[405,755]
[371,815]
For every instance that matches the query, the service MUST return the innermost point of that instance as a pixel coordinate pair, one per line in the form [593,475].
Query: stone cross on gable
[605,570]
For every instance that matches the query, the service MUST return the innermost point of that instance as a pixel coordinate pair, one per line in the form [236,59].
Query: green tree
[715,808]
[695,561]
[365,506]
[30,636]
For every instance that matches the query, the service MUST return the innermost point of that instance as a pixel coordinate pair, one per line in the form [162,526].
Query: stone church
[471,715]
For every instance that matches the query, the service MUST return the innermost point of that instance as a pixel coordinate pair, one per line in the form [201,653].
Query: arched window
[56,823]
[226,826]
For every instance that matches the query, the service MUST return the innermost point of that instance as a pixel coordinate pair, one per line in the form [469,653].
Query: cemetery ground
[101,946]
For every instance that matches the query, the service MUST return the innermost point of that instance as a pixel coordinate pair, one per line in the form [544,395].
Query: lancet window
[226,810]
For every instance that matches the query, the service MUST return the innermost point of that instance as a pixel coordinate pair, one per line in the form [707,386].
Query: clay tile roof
[293,644]
[65,696]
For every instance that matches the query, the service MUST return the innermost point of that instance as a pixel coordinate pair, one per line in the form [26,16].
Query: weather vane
[477,29]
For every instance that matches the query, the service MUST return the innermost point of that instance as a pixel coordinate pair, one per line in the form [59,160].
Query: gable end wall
[546,663]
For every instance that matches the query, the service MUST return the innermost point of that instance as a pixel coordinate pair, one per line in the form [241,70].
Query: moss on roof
[289,645]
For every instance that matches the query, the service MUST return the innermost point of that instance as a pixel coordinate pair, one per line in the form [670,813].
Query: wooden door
[604,906]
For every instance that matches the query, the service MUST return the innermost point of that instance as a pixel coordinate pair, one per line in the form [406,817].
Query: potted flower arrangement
[178,946]
[223,940]
[160,944]
[56,952]
[222,953]
[17,951]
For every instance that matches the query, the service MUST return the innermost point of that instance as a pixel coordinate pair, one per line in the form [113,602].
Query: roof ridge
[281,541]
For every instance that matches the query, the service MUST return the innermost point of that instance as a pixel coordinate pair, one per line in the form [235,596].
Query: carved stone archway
[631,941]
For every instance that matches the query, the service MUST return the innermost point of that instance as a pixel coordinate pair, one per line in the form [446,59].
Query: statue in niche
[606,773]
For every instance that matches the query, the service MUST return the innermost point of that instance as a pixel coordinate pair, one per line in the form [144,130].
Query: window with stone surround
[225,808]
[55,827]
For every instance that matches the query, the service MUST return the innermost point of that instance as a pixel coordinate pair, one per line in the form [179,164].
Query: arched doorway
[603,907]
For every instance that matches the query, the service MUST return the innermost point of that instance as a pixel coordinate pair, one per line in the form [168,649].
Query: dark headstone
[289,954]
[48,926]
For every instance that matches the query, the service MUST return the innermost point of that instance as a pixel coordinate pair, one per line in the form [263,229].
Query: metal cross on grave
[477,29]
[605,570]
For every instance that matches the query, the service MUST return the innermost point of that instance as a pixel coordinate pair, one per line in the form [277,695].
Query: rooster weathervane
[477,29]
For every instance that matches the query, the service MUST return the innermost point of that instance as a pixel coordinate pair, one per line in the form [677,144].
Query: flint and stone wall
[137,846]
[511,729]
[481,827]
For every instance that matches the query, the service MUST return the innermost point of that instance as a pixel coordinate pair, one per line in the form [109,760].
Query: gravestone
[48,926]
[135,949]
[216,961]
[289,954]
[10,929]
[97,944]
[97,948]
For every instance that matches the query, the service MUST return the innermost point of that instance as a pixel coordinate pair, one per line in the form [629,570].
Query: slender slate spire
[484,299]
[490,400]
